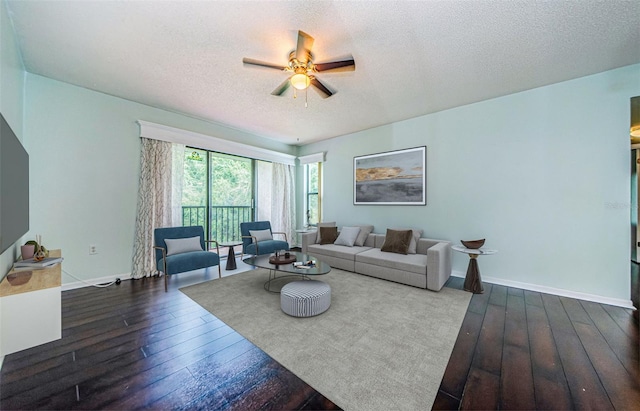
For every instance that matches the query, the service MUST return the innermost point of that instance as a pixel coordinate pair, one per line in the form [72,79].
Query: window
[218,192]
[313,200]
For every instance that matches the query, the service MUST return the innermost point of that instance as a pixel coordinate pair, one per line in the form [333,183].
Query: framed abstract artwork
[391,178]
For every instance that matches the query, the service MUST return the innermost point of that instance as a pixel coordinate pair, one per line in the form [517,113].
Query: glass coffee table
[288,269]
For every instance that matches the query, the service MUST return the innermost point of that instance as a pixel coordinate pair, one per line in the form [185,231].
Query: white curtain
[283,200]
[159,199]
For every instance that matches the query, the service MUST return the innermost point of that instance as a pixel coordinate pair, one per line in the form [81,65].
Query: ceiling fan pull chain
[306,93]
[295,94]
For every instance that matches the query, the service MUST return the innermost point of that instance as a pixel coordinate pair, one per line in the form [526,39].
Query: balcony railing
[225,220]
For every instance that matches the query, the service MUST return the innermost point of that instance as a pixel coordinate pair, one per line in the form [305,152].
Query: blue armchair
[256,243]
[180,249]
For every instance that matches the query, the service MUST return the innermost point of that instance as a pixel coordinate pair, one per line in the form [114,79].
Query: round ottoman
[305,298]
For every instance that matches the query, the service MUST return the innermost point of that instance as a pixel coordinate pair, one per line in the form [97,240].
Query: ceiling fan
[302,68]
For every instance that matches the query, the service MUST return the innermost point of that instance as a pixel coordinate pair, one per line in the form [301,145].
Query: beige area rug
[380,346]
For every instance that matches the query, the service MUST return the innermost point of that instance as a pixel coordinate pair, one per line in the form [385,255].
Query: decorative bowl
[473,244]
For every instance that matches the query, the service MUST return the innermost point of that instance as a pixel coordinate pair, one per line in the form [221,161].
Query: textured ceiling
[412,58]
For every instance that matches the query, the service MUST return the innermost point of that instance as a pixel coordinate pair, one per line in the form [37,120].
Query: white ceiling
[412,58]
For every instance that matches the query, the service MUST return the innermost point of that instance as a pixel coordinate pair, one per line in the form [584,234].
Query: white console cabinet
[31,308]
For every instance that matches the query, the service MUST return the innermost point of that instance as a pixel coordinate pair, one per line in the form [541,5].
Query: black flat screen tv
[14,187]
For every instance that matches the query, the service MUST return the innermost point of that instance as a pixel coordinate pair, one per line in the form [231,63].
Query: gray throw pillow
[182,245]
[261,235]
[348,236]
[365,230]
[396,241]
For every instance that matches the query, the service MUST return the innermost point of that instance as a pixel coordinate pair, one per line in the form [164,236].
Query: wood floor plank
[549,381]
[457,371]
[516,376]
[586,388]
[622,388]
[479,302]
[211,372]
[102,391]
[625,320]
[488,353]
[624,346]
[482,391]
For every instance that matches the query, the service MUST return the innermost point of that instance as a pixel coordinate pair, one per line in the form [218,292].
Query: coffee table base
[273,277]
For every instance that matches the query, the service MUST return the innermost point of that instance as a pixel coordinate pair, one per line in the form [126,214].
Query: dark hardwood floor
[134,346]
[525,350]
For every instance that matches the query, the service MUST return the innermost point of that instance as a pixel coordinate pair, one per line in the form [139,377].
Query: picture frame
[391,178]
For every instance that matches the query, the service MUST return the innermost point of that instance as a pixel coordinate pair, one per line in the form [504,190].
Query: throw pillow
[348,236]
[397,241]
[413,246]
[365,230]
[261,235]
[328,235]
[182,245]
[415,236]
[320,225]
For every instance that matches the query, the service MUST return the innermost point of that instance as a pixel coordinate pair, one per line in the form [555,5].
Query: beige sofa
[429,268]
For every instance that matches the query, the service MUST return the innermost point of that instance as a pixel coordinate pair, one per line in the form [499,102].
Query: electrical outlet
[93,249]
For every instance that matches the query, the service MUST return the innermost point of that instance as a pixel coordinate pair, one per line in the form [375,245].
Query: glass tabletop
[319,268]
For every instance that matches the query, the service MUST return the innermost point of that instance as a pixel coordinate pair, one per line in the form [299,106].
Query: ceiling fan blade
[343,65]
[303,49]
[281,88]
[255,62]
[321,88]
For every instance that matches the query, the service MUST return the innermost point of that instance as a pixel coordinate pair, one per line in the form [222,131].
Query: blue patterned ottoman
[305,298]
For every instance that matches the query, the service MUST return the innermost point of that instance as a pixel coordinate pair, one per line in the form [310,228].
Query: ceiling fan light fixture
[300,81]
[635,131]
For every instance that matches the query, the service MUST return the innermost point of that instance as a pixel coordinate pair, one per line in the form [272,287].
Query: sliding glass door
[218,192]
[230,195]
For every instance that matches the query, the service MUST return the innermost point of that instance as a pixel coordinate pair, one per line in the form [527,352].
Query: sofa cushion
[365,230]
[266,247]
[328,235]
[415,263]
[336,251]
[396,241]
[348,236]
[325,224]
[193,260]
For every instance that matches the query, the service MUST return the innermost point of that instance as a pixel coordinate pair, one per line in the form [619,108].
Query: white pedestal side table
[472,281]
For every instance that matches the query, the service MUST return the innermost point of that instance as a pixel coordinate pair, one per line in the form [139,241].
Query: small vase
[27,251]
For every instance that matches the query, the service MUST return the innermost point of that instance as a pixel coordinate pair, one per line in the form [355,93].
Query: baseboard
[94,281]
[555,291]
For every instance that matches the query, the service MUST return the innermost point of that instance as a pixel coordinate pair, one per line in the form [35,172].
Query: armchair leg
[165,283]
[219,271]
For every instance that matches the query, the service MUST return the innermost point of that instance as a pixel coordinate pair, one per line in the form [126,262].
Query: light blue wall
[543,175]
[84,149]
[11,101]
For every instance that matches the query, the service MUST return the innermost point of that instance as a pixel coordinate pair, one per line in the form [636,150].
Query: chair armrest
[254,240]
[164,250]
[280,232]
[438,265]
[214,241]
[164,258]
